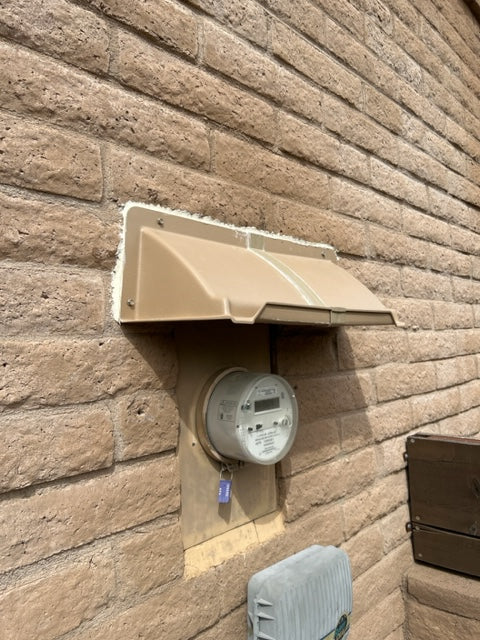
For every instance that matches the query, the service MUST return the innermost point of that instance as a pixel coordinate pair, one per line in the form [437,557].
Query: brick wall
[354,123]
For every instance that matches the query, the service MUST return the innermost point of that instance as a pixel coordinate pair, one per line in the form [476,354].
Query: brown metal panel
[446,549]
[180,267]
[444,482]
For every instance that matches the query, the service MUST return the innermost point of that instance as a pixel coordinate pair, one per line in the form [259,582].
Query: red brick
[38,447]
[164,21]
[42,158]
[57,27]
[64,517]
[157,73]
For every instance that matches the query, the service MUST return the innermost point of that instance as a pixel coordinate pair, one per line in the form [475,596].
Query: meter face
[252,417]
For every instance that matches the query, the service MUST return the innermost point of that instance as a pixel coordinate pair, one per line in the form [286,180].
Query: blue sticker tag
[224,491]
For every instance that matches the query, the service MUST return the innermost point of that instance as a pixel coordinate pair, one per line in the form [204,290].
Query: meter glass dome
[252,417]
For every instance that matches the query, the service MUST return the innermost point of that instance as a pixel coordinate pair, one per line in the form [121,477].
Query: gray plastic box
[307,596]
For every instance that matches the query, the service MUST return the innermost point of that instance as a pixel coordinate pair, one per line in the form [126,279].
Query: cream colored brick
[469,395]
[435,406]
[360,202]
[433,345]
[427,622]
[254,166]
[239,61]
[45,159]
[322,525]
[306,18]
[246,18]
[358,129]
[300,96]
[145,423]
[364,549]
[331,395]
[164,21]
[358,348]
[398,248]
[382,579]
[302,353]
[155,72]
[47,607]
[327,482]
[50,301]
[380,278]
[57,27]
[315,442]
[386,495]
[463,424]
[381,619]
[355,431]
[314,63]
[390,455]
[318,225]
[82,370]
[417,283]
[390,419]
[394,528]
[182,611]
[444,591]
[38,447]
[455,371]
[47,89]
[347,15]
[145,179]
[147,558]
[234,625]
[397,184]
[63,517]
[414,314]
[36,231]
[402,380]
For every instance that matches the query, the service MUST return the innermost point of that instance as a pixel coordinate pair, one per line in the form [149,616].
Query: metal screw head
[160,222]
[131,302]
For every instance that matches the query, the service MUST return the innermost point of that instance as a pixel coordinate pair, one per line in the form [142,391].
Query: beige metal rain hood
[176,266]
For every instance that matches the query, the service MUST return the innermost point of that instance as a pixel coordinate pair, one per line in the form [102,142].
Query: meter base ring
[201,417]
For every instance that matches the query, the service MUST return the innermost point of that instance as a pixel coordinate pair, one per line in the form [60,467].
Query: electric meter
[249,416]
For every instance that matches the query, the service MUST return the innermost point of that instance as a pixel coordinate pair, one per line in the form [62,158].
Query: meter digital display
[250,416]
